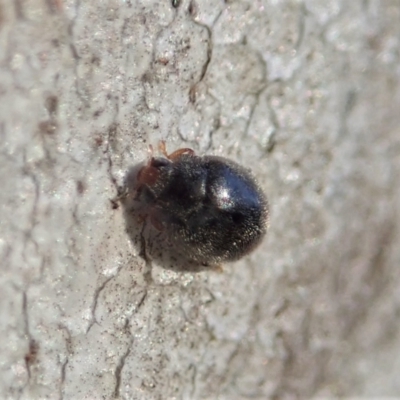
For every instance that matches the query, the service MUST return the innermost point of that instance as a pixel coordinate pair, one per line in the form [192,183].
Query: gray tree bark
[305,93]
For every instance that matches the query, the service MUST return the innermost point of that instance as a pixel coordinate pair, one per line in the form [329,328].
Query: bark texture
[306,93]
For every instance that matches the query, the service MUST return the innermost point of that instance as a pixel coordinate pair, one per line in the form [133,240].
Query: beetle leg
[153,219]
[174,155]
[147,175]
[119,198]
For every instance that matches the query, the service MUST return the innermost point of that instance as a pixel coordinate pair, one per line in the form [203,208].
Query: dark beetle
[210,207]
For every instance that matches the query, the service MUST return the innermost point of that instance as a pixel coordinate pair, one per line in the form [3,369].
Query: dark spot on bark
[48,127]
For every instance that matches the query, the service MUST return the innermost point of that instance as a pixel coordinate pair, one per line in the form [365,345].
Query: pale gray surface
[306,93]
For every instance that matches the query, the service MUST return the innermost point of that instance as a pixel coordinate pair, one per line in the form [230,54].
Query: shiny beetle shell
[211,208]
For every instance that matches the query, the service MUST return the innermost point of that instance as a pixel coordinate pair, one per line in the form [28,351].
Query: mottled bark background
[305,92]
